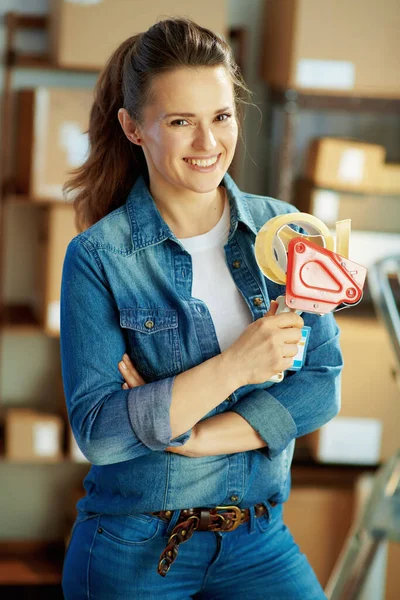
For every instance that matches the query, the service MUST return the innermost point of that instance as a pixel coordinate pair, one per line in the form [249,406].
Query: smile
[202,163]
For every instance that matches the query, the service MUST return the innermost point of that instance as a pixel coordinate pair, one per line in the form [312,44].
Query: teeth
[202,163]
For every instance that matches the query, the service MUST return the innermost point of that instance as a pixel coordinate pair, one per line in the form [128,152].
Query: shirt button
[234,498]
[149,324]
[257,301]
[229,398]
[236,264]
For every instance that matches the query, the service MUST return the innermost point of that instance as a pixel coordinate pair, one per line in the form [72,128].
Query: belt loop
[252,525]
[172,522]
[268,514]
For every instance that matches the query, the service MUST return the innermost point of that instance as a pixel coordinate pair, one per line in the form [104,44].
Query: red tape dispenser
[318,279]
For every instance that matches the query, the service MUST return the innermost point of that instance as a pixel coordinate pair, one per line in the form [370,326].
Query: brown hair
[103,182]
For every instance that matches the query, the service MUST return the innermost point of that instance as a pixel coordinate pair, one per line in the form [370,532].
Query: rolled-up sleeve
[304,400]
[149,410]
[110,424]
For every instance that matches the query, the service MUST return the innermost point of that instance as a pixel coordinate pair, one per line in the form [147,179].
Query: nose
[204,139]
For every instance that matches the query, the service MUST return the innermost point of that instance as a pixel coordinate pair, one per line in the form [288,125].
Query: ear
[129,127]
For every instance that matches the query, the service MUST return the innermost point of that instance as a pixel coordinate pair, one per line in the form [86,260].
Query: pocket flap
[148,320]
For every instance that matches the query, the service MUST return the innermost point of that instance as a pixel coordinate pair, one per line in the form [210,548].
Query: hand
[134,379]
[266,347]
[129,373]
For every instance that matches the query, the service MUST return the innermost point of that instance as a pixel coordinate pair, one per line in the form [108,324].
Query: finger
[289,319]
[291,335]
[125,386]
[290,350]
[130,377]
[287,363]
[131,368]
[272,309]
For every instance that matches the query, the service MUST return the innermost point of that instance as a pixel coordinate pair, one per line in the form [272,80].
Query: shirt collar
[149,228]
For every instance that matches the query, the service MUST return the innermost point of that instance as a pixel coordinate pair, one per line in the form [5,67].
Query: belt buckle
[238,515]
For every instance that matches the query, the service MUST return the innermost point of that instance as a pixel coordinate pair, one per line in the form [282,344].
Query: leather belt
[218,518]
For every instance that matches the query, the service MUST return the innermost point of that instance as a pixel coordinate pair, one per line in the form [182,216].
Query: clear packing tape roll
[273,239]
[318,279]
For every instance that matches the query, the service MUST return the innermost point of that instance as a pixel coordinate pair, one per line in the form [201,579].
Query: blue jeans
[116,557]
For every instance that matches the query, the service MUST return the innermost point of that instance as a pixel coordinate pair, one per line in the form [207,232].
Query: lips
[202,161]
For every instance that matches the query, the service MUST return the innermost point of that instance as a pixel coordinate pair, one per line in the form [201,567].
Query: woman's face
[190,117]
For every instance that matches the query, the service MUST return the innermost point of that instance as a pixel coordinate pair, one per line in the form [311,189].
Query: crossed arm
[224,433]
[272,418]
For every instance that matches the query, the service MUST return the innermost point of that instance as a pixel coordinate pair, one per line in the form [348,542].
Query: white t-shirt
[213,283]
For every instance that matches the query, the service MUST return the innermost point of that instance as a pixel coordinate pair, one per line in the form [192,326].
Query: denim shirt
[126,287]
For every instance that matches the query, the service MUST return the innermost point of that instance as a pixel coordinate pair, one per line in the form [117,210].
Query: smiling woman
[196,447]
[178,95]
[187,153]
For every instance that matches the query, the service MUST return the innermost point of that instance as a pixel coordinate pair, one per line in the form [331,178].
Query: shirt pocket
[153,338]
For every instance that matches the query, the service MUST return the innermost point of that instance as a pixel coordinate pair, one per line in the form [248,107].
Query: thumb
[272,309]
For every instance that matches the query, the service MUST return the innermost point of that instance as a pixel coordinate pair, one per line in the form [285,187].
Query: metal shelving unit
[293,102]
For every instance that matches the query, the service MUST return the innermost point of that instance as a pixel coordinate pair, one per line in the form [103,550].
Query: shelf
[15,21]
[19,318]
[37,463]
[23,21]
[42,61]
[332,102]
[31,563]
[39,61]
[21,199]
[312,474]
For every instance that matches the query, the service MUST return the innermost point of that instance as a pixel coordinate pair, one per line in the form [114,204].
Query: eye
[178,122]
[225,117]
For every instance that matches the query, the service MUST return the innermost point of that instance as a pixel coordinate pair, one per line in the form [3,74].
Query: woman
[194,453]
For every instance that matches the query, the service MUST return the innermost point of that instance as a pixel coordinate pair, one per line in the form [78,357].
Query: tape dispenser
[318,275]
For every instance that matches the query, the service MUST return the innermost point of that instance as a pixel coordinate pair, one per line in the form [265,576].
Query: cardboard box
[345,164]
[333,47]
[319,520]
[57,230]
[390,180]
[366,431]
[368,212]
[51,139]
[33,436]
[83,35]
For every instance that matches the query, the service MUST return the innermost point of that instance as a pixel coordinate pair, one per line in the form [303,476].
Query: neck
[188,213]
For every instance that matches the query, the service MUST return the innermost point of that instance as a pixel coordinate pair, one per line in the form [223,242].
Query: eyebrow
[183,114]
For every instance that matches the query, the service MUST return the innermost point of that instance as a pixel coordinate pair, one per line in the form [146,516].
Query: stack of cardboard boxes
[118,20]
[51,142]
[333,47]
[348,179]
